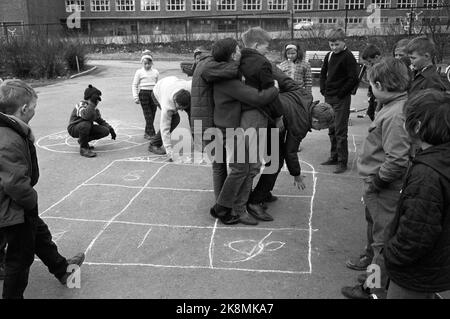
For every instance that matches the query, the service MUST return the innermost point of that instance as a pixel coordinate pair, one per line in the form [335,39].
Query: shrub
[72,50]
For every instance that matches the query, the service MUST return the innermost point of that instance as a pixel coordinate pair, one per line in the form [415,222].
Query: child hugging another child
[295,67]
[143,83]
[417,251]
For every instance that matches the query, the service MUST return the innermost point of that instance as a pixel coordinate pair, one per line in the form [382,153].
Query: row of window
[230,5]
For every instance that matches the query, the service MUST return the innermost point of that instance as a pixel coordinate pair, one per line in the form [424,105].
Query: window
[201,5]
[354,20]
[298,20]
[251,5]
[226,25]
[277,5]
[150,5]
[175,5]
[432,4]
[226,5]
[300,5]
[382,4]
[328,4]
[354,4]
[78,5]
[124,5]
[328,20]
[100,5]
[405,4]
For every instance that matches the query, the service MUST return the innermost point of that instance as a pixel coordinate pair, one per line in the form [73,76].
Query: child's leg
[332,131]
[148,109]
[342,114]
[98,132]
[156,140]
[397,292]
[82,131]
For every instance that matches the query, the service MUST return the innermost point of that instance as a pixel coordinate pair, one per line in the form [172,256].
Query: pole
[346,19]
[411,19]
[78,63]
[237,29]
[292,24]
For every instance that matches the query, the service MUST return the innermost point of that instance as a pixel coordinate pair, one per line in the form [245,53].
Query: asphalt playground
[144,223]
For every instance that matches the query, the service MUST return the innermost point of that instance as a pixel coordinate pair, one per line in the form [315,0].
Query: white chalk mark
[145,237]
[58,235]
[356,155]
[310,221]
[58,144]
[211,245]
[76,188]
[119,213]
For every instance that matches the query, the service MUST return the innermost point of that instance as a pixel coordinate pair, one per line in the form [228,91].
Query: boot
[86,152]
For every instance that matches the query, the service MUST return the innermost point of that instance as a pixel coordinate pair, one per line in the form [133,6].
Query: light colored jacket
[387,146]
[144,80]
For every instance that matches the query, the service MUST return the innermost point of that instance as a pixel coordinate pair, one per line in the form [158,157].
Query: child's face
[262,48]
[372,61]
[28,111]
[379,92]
[147,64]
[337,46]
[291,54]
[236,56]
[399,52]
[419,61]
[317,125]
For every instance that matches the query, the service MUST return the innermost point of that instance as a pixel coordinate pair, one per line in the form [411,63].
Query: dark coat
[19,172]
[417,250]
[256,69]
[296,105]
[428,78]
[208,71]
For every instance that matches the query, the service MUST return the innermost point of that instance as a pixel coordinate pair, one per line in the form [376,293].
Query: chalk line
[145,237]
[310,222]
[118,214]
[211,245]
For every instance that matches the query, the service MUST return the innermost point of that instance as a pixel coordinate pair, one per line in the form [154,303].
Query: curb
[83,73]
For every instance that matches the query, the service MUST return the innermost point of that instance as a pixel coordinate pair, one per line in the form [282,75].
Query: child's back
[256,69]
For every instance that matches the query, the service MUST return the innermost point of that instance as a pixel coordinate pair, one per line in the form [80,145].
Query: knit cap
[92,93]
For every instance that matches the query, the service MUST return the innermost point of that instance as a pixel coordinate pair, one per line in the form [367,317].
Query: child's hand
[298,182]
[113,133]
[275,83]
[136,101]
[280,124]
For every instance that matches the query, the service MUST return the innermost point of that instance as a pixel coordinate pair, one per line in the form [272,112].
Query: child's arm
[102,122]
[396,146]
[323,74]
[250,97]
[216,71]
[421,212]
[307,77]
[135,86]
[164,126]
[86,111]
[14,177]
[352,77]
[266,75]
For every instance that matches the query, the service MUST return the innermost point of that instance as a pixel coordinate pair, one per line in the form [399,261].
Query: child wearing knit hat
[143,83]
[295,67]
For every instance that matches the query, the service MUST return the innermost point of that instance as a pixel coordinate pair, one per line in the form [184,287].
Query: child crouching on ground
[417,252]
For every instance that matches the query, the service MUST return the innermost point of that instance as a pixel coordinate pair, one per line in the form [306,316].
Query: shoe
[157,150]
[360,263]
[258,212]
[148,136]
[76,260]
[86,152]
[362,278]
[2,272]
[356,292]
[271,198]
[330,161]
[91,147]
[340,169]
[246,219]
[226,219]
[263,205]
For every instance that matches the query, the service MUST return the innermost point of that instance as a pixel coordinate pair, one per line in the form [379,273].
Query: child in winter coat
[295,67]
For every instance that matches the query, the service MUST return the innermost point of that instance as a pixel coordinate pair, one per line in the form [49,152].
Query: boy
[81,123]
[25,232]
[382,163]
[371,55]
[416,251]
[171,95]
[338,77]
[421,52]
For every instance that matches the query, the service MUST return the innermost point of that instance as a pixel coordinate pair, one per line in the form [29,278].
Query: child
[383,162]
[338,77]
[371,55]
[399,50]
[25,232]
[81,123]
[295,67]
[171,95]
[143,83]
[421,52]
[417,249]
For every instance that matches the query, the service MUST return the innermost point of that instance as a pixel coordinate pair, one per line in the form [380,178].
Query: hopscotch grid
[211,245]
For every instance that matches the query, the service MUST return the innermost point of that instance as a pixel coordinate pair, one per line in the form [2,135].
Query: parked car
[303,25]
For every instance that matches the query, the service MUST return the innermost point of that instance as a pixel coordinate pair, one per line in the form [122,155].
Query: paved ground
[145,223]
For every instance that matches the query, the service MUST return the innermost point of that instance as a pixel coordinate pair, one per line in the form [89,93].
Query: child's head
[322,115]
[428,117]
[92,94]
[293,52]
[399,50]
[197,53]
[388,77]
[257,38]
[17,98]
[147,61]
[182,99]
[336,40]
[225,50]
[421,51]
[371,54]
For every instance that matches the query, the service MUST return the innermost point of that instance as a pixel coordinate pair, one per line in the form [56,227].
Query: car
[303,25]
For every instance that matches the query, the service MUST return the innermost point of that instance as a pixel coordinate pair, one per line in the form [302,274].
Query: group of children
[404,161]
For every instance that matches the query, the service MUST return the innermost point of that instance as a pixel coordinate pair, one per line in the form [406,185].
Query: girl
[417,251]
[142,88]
[295,67]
